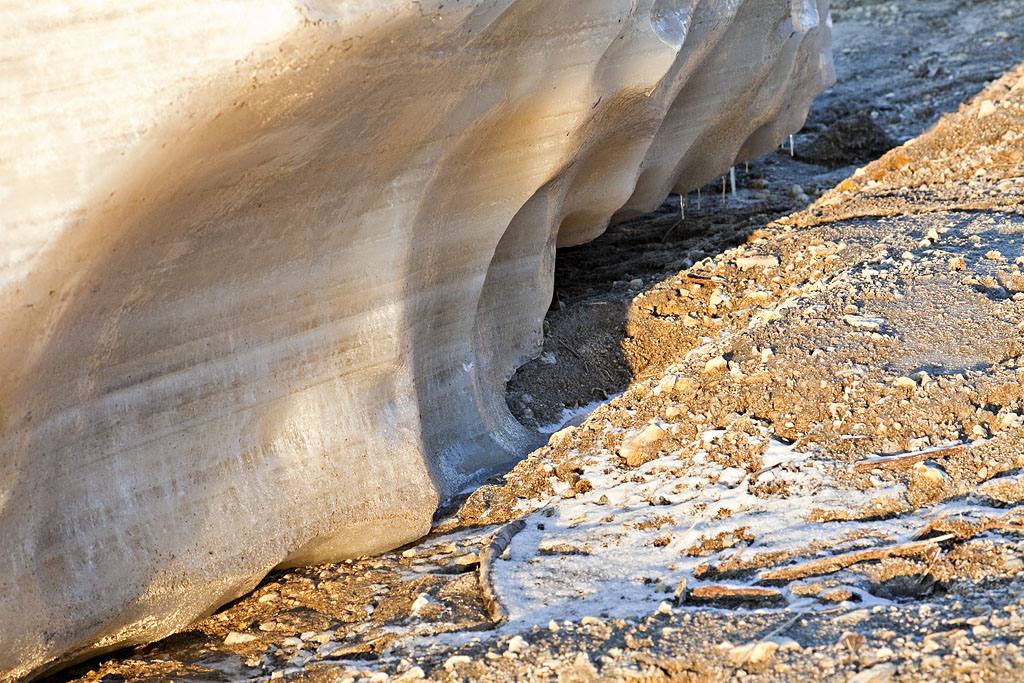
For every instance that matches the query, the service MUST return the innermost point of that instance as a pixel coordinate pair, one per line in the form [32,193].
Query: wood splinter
[494,549]
[829,565]
[907,459]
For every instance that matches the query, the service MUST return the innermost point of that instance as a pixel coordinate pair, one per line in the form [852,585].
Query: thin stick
[584,360]
[786,624]
[720,593]
[829,565]
[670,229]
[907,459]
[498,612]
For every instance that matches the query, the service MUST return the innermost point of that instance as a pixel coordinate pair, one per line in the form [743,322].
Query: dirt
[814,469]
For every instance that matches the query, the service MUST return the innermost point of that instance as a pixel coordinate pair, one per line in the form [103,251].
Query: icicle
[682,207]
[698,199]
[732,180]
[723,190]
[746,168]
[790,145]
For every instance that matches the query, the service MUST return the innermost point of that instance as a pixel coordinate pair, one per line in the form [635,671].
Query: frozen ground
[815,470]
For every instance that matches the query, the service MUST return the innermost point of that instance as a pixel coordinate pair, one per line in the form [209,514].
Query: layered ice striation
[266,265]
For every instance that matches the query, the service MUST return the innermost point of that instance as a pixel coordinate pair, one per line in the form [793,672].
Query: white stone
[266,266]
[716,364]
[753,653]
[785,643]
[456,660]
[421,601]
[518,644]
[746,263]
[414,674]
[931,472]
[667,384]
[879,673]
[864,322]
[236,638]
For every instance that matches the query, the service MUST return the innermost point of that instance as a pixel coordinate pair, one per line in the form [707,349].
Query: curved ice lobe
[805,15]
[670,20]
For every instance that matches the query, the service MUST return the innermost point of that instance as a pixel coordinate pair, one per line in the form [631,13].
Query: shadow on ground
[595,344]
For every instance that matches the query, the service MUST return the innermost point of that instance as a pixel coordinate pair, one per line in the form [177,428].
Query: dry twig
[907,459]
[828,565]
[487,556]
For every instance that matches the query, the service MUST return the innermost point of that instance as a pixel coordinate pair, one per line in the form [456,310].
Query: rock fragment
[633,446]
[236,638]
[863,322]
[716,364]
[879,673]
[753,653]
[745,263]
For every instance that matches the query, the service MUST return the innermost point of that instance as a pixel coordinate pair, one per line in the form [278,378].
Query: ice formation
[266,265]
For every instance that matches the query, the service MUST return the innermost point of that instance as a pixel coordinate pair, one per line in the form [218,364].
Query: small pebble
[864,322]
[745,263]
[236,638]
[413,674]
[879,673]
[716,364]
[667,383]
[753,653]
[931,472]
[456,660]
[421,601]
[518,644]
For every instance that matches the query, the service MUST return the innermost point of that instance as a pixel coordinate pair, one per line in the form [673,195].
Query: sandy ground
[811,467]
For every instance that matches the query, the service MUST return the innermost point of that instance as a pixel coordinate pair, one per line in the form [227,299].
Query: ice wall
[265,265]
